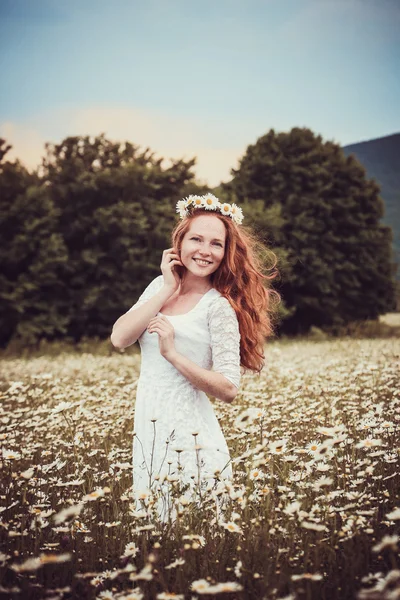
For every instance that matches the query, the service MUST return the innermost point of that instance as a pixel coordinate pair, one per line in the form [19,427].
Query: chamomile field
[313,510]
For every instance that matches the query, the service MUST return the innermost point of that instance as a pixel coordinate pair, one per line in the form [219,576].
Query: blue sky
[197,78]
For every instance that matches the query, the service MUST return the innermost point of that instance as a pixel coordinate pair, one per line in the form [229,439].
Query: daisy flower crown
[210,202]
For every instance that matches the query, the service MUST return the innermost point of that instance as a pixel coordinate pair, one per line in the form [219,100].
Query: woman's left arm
[210,382]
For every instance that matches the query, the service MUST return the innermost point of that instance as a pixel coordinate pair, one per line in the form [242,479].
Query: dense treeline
[340,262]
[83,235]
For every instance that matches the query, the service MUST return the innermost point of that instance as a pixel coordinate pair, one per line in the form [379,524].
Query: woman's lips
[201,265]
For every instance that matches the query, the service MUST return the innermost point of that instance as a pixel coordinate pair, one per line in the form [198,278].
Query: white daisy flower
[197,201]
[313,447]
[210,201]
[394,515]
[226,209]
[237,213]
[368,443]
[256,474]
[388,541]
[321,482]
[201,586]
[232,527]
[181,207]
[278,447]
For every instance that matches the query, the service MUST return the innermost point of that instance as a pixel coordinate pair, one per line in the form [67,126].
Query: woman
[208,309]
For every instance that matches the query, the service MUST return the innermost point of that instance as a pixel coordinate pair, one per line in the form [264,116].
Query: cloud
[168,136]
[27,143]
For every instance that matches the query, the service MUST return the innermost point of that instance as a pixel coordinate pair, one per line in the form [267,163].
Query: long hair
[240,279]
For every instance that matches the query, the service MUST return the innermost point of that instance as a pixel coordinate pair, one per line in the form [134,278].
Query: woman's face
[204,241]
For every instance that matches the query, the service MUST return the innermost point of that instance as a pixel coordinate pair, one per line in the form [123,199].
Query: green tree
[117,207]
[338,264]
[32,254]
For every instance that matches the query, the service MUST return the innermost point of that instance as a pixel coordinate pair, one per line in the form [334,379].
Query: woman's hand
[170,258]
[166,333]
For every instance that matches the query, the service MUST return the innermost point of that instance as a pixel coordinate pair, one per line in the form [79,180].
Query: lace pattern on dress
[154,286]
[225,339]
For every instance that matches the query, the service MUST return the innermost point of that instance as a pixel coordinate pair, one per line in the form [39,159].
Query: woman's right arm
[130,326]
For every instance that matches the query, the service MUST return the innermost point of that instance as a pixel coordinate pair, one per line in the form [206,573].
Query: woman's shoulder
[157,282]
[218,303]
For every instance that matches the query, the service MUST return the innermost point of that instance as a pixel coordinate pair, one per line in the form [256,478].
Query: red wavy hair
[239,278]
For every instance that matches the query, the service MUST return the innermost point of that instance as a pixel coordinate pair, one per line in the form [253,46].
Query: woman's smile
[201,262]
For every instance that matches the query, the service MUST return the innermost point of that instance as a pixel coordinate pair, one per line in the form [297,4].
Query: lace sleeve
[150,291]
[225,339]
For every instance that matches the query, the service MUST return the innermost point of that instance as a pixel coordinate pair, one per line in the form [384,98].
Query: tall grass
[312,510]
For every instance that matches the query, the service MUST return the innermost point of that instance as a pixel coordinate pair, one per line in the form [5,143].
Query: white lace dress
[169,409]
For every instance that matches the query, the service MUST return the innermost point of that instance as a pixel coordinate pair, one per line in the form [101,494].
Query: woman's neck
[197,285]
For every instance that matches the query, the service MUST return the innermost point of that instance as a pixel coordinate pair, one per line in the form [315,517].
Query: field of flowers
[313,509]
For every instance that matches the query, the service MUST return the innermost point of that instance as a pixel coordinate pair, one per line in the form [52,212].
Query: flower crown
[208,201]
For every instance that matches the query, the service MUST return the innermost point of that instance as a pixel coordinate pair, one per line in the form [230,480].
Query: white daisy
[256,474]
[197,201]
[226,209]
[211,202]
[237,213]
[278,447]
[394,515]
[313,447]
[369,443]
[181,207]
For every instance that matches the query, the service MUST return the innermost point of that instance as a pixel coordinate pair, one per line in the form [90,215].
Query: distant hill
[381,159]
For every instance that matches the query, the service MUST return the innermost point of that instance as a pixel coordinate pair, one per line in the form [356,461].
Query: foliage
[323,216]
[83,235]
[103,214]
[32,257]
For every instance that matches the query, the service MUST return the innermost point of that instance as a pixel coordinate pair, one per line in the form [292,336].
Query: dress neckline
[192,309]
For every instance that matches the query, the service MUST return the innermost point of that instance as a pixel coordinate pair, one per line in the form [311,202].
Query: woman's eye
[196,238]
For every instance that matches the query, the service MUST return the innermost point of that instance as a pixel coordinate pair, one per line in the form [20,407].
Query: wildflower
[211,202]
[34,563]
[10,455]
[106,595]
[131,549]
[309,576]
[388,541]
[226,586]
[278,447]
[321,482]
[226,208]
[312,447]
[314,526]
[201,586]
[143,494]
[99,493]
[28,473]
[331,431]
[176,563]
[195,536]
[62,406]
[135,594]
[369,443]
[394,515]
[232,527]
[292,508]
[170,596]
[247,417]
[256,474]
[145,574]
[238,568]
[71,511]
